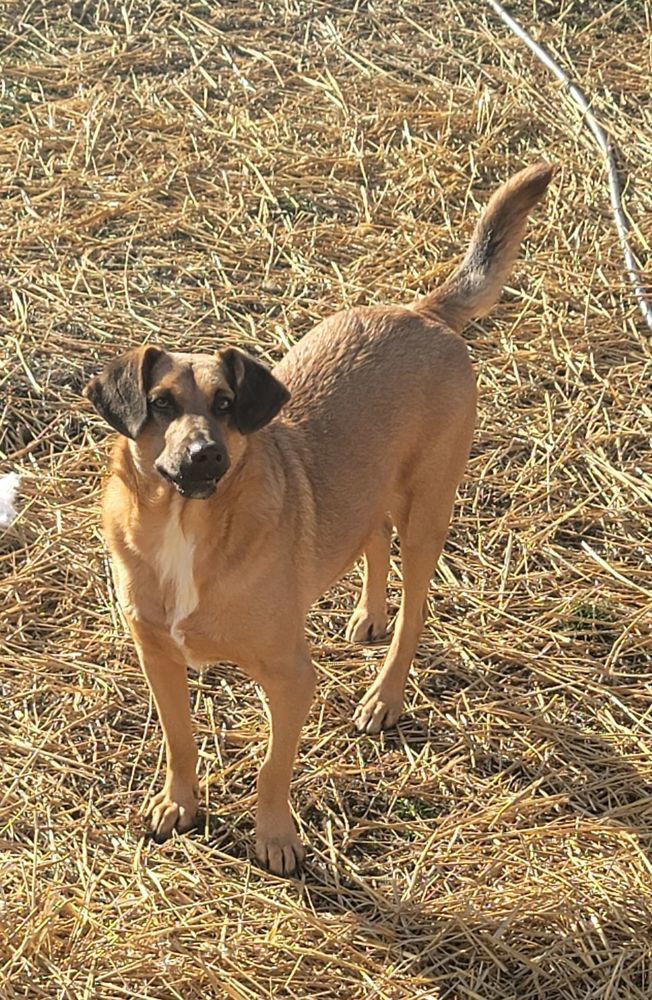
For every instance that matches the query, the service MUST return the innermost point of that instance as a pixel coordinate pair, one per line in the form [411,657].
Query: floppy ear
[258,395]
[119,393]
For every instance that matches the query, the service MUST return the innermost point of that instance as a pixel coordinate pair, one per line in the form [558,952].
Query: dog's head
[188,414]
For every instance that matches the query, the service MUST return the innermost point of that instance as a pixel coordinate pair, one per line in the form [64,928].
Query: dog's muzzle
[199,472]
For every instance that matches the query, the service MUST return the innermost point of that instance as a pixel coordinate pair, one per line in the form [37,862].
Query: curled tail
[475,286]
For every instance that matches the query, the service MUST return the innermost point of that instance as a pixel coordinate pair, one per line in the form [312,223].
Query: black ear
[258,395]
[119,393]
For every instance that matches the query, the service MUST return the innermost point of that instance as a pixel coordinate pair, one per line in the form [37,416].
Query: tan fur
[475,286]
[377,432]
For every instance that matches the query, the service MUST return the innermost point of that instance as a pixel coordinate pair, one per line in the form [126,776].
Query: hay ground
[195,174]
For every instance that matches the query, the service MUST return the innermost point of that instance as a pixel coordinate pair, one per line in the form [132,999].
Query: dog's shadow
[605,792]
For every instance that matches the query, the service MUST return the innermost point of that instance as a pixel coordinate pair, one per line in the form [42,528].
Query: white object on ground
[8,489]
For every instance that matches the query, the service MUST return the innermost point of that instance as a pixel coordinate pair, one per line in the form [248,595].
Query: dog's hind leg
[368,623]
[383,702]
[422,527]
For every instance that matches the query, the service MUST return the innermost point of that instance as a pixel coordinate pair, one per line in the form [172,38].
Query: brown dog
[225,524]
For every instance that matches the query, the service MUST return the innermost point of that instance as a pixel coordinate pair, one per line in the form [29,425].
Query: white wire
[603,141]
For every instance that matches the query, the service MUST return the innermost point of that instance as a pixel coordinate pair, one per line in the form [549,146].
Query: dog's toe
[280,855]
[367,626]
[172,809]
[377,711]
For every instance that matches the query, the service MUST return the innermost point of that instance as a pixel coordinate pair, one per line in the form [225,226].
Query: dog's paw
[378,710]
[366,626]
[173,808]
[279,848]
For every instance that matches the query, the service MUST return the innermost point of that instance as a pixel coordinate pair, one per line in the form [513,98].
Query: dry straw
[604,144]
[195,174]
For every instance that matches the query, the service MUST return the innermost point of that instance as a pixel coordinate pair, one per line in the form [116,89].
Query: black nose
[206,458]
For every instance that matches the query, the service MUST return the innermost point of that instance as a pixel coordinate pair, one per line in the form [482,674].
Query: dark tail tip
[475,285]
[533,181]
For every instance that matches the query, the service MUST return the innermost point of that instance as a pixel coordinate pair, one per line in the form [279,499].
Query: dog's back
[383,395]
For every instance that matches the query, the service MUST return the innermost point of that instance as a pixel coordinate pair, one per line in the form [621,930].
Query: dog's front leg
[175,806]
[289,685]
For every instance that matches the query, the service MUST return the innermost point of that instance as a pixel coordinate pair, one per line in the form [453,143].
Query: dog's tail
[475,286]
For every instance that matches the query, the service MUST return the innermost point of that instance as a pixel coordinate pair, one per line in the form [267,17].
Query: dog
[238,495]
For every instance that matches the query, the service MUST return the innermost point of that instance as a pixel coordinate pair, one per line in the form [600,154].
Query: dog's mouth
[195,489]
[198,491]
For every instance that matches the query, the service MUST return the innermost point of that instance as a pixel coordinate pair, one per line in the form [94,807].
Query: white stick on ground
[603,141]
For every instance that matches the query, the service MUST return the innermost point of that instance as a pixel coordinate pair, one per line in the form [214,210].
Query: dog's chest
[176,559]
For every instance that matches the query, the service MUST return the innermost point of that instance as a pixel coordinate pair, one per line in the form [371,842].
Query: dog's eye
[221,404]
[162,403]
